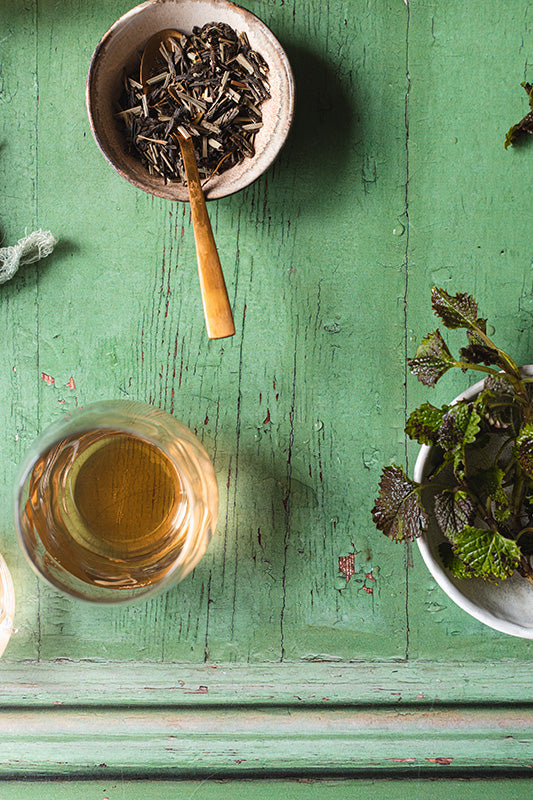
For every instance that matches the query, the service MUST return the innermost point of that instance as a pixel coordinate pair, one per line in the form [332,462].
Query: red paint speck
[267,418]
[47,379]
[206,420]
[401,760]
[370,577]
[347,566]
[71,384]
[368,589]
[443,761]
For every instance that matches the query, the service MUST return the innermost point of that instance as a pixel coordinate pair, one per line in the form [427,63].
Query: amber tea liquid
[109,507]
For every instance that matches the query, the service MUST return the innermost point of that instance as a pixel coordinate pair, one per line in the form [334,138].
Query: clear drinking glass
[115,502]
[7,605]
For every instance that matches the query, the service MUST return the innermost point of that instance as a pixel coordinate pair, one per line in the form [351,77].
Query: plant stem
[464,365]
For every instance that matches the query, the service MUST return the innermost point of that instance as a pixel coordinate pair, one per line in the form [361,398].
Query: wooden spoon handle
[217,310]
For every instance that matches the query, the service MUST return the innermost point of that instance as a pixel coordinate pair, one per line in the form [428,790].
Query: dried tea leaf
[209,87]
[432,359]
[486,553]
[456,311]
[397,510]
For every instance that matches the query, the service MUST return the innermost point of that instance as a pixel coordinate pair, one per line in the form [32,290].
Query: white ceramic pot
[506,606]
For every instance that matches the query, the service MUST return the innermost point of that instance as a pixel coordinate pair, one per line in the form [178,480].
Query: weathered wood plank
[415,685]
[66,741]
[305,789]
[470,213]
[292,407]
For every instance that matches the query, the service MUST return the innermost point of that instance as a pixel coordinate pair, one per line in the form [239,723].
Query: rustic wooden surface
[394,178]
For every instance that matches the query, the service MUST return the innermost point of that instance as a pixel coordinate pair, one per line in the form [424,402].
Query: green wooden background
[394,177]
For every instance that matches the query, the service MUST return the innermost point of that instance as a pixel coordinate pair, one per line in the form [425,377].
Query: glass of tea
[115,502]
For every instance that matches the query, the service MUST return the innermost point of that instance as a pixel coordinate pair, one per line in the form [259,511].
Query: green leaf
[460,426]
[456,311]
[432,359]
[424,424]
[523,449]
[397,510]
[502,513]
[454,509]
[525,125]
[529,90]
[479,352]
[451,562]
[489,482]
[486,553]
[512,135]
[498,384]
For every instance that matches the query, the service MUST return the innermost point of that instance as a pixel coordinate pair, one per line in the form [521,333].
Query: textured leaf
[488,482]
[456,311]
[498,384]
[451,562]
[502,513]
[525,125]
[479,352]
[453,511]
[523,450]
[424,424]
[397,510]
[432,359]
[486,553]
[460,426]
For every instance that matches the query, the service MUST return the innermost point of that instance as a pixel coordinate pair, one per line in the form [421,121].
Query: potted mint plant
[470,501]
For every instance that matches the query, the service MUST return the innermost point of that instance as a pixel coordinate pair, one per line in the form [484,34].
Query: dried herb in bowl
[210,86]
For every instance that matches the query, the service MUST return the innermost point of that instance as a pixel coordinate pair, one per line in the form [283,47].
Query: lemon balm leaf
[523,449]
[424,424]
[486,553]
[454,510]
[397,510]
[432,359]
[456,311]
[525,125]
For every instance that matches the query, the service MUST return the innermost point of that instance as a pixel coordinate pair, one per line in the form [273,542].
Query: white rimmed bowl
[506,606]
[118,53]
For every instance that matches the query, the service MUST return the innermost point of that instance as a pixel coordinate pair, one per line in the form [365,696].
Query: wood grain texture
[307,789]
[177,722]
[291,409]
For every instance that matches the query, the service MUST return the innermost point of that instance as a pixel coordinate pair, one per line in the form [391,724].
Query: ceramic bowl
[119,52]
[506,606]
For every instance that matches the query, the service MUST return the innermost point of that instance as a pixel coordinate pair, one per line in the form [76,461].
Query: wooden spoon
[217,310]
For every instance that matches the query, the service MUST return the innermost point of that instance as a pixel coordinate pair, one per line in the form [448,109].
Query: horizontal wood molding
[92,718]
